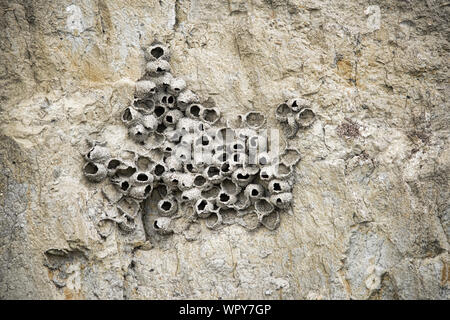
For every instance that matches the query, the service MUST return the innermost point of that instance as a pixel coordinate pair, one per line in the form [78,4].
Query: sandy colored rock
[370,216]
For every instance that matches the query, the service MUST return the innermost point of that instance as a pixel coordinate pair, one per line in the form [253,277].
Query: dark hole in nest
[157,52]
[195,110]
[255,192]
[213,171]
[169,119]
[225,167]
[155,224]
[166,205]
[127,115]
[161,128]
[205,141]
[279,200]
[128,172]
[164,99]
[159,111]
[124,186]
[199,181]
[170,100]
[202,205]
[129,219]
[236,157]
[159,69]
[142,177]
[159,169]
[91,168]
[241,176]
[264,175]
[175,181]
[148,189]
[113,164]
[224,197]
[139,133]
[189,167]
[276,187]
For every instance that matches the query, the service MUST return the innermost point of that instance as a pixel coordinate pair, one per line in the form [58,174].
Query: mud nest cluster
[192,158]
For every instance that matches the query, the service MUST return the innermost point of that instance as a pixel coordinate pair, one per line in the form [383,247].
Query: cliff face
[370,216]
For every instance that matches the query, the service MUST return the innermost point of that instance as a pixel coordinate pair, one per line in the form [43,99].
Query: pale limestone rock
[370,216]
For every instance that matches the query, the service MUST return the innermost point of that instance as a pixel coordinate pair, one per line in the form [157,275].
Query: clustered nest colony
[191,159]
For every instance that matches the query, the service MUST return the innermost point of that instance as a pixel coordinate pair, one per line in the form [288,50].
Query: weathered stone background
[371,210]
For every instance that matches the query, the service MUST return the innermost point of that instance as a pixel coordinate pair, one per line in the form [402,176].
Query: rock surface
[370,218]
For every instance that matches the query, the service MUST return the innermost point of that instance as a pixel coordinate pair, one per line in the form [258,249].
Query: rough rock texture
[371,209]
